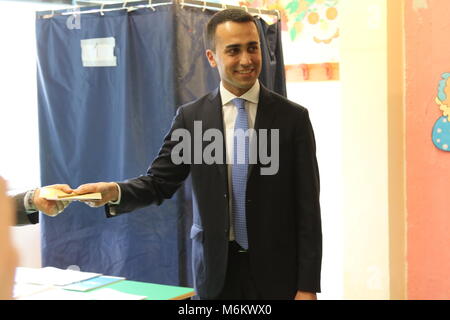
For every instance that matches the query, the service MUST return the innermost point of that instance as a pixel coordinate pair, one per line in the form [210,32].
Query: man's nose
[246,59]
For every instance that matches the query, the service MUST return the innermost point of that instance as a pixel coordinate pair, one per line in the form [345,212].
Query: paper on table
[100,294]
[57,294]
[93,283]
[111,294]
[55,194]
[51,276]
[22,290]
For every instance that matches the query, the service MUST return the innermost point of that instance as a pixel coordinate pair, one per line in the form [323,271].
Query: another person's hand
[109,191]
[8,255]
[51,207]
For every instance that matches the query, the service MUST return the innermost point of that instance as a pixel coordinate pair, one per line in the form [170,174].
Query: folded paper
[55,194]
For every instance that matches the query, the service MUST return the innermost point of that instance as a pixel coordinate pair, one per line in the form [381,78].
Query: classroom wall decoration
[441,129]
[427,102]
[310,28]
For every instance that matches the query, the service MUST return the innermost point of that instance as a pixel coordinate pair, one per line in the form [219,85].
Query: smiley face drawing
[441,129]
[322,21]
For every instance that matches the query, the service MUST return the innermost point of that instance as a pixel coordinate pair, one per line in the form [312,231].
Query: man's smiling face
[237,55]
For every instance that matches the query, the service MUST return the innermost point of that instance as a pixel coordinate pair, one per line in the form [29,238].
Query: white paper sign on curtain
[98,52]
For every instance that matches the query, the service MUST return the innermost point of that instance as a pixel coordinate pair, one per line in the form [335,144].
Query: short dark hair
[234,15]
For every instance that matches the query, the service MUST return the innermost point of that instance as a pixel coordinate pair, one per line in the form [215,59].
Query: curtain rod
[221,6]
[138,4]
[63,2]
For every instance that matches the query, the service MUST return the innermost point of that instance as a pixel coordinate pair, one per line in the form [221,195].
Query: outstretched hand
[109,191]
[51,207]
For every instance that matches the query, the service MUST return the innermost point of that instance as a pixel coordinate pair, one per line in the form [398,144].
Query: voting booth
[110,80]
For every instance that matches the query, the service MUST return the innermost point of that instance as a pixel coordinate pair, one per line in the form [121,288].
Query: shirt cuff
[117,202]
[28,202]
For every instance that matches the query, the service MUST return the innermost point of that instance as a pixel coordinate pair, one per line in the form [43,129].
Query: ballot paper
[51,276]
[55,194]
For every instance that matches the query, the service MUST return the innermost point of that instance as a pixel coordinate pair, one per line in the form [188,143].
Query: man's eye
[233,51]
[253,49]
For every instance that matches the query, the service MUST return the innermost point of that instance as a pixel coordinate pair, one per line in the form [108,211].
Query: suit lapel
[214,119]
[265,115]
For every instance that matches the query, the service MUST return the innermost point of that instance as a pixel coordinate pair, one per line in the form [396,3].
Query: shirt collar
[251,95]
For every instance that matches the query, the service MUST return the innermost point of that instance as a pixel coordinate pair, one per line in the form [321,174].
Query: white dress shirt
[229,112]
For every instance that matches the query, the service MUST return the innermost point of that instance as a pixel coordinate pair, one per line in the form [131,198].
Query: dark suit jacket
[283,211]
[22,217]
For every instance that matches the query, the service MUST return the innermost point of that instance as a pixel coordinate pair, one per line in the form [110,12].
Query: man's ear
[211,59]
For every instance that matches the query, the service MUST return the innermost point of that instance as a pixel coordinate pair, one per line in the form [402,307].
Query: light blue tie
[239,173]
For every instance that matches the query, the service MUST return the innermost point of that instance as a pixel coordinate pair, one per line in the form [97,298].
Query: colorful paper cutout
[441,129]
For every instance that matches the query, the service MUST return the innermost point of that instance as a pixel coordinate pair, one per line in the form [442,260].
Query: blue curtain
[107,124]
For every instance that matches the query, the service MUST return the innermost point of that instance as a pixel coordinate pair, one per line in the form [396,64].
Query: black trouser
[239,283]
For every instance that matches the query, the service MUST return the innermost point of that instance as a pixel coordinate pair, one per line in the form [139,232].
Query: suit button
[225,195]
[248,200]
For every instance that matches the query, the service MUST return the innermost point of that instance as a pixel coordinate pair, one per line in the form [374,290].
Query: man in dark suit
[256,230]
[28,205]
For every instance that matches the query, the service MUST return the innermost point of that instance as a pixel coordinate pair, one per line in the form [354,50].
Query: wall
[365,149]
[428,169]
[19,163]
[396,149]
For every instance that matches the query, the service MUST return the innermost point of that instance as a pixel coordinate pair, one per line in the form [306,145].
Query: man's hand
[51,207]
[109,191]
[303,295]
